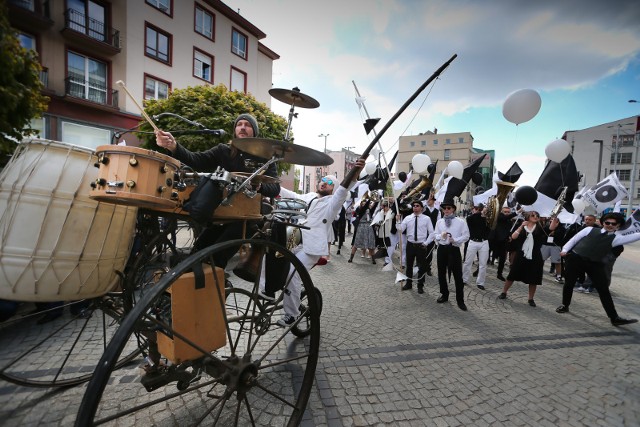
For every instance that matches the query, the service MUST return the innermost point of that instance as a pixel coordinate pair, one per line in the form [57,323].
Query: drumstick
[147,118]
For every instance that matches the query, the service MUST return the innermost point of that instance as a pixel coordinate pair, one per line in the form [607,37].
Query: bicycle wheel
[259,374]
[64,351]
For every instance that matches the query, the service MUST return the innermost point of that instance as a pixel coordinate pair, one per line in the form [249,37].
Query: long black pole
[351,175]
[434,76]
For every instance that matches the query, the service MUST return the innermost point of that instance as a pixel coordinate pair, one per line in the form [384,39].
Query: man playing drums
[231,159]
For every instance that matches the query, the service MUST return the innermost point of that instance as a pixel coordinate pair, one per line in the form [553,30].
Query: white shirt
[321,212]
[459,231]
[425,228]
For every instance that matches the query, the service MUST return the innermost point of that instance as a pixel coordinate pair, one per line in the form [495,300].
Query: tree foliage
[215,107]
[20,87]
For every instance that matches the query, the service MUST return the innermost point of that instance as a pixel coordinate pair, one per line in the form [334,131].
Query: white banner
[605,194]
[631,228]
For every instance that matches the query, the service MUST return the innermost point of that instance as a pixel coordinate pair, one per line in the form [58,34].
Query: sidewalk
[391,357]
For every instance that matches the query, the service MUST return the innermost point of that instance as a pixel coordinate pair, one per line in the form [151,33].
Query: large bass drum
[55,242]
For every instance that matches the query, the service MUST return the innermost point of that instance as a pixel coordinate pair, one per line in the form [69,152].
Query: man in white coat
[322,207]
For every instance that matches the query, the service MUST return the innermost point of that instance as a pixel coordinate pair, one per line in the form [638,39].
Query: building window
[447,154]
[412,144]
[155,89]
[238,80]
[85,136]
[25,4]
[162,5]
[204,22]
[623,158]
[202,65]
[460,140]
[638,194]
[423,152]
[239,44]
[447,141]
[624,175]
[158,44]
[435,142]
[625,140]
[423,143]
[27,41]
[87,17]
[87,78]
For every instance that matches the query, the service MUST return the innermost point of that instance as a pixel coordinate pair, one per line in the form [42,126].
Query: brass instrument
[494,204]
[559,203]
[367,197]
[426,181]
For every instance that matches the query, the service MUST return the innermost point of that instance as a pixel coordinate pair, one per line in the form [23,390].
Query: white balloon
[521,106]
[578,206]
[370,168]
[557,150]
[455,169]
[363,173]
[420,163]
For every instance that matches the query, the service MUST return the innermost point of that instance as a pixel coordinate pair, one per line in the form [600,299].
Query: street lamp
[322,135]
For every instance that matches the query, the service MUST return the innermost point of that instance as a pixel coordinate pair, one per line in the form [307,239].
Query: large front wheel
[222,360]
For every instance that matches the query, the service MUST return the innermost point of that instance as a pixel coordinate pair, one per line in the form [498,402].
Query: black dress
[525,270]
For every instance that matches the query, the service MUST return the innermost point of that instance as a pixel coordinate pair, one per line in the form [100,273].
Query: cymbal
[290,153]
[262,179]
[294,97]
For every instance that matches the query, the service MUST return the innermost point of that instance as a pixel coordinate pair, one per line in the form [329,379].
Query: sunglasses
[327,181]
[610,223]
[417,206]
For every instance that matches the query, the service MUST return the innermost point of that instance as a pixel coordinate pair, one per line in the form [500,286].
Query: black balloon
[431,168]
[402,176]
[477,178]
[526,195]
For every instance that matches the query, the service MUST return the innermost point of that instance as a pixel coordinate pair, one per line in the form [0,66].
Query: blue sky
[583,58]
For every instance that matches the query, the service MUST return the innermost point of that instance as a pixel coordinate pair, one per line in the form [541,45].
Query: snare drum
[55,242]
[135,177]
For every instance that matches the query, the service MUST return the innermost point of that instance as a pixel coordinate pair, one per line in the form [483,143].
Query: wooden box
[197,315]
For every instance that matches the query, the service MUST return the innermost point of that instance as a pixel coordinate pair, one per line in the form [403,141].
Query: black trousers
[430,249]
[574,264]
[499,249]
[416,253]
[449,258]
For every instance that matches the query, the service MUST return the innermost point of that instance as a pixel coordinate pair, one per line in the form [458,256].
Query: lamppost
[634,170]
[322,135]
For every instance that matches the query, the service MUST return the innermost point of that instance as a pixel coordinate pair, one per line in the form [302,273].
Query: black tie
[415,230]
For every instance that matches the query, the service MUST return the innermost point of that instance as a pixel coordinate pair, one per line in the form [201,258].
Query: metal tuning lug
[131,183]
[133,161]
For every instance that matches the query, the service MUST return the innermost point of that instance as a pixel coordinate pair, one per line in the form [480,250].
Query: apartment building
[153,46]
[606,148]
[446,147]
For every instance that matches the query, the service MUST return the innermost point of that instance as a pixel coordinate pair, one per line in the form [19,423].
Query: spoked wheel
[65,350]
[221,358]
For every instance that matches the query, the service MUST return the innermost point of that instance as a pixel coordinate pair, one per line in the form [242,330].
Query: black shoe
[481,287]
[373,261]
[442,299]
[619,321]
[502,296]
[420,290]
[475,273]
[462,306]
[338,253]
[501,277]
[565,309]
[532,303]
[49,317]
[406,286]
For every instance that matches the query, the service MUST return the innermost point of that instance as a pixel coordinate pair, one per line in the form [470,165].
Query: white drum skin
[57,244]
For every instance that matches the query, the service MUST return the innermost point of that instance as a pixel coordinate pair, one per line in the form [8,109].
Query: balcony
[89,33]
[90,92]
[33,15]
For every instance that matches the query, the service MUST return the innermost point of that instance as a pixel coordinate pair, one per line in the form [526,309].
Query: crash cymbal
[290,153]
[262,179]
[294,97]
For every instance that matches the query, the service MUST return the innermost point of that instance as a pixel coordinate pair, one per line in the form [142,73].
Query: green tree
[215,107]
[20,86]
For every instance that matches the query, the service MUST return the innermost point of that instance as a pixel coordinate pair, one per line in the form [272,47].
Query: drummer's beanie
[250,119]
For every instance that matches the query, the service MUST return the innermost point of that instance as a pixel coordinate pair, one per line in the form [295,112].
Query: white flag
[606,193]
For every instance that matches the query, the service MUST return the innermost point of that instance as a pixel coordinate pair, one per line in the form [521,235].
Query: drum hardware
[133,161]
